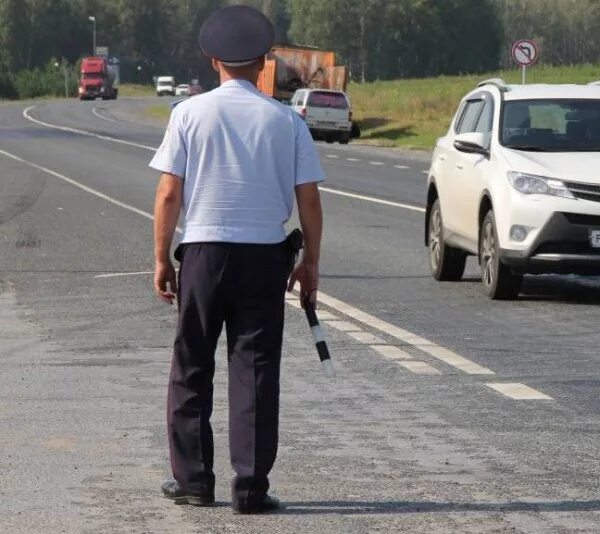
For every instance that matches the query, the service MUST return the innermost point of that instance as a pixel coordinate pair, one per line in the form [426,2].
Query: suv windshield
[551,125]
[323,99]
[164,84]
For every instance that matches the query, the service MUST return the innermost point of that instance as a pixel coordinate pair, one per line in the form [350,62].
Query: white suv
[516,182]
[327,113]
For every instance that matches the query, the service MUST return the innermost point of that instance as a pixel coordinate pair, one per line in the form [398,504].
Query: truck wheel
[329,139]
[447,263]
[344,138]
[499,282]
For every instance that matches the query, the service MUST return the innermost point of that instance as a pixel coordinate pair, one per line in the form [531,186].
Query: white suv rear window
[324,99]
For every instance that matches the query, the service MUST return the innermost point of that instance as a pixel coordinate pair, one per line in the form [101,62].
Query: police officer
[231,162]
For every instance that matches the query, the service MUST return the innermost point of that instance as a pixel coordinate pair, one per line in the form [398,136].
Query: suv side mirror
[471,143]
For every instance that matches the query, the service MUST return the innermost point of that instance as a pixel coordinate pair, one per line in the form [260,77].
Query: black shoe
[250,506]
[172,490]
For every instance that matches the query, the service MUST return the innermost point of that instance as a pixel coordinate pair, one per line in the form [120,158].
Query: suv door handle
[460,166]
[442,158]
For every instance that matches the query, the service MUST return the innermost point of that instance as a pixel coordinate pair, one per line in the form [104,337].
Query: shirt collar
[239,83]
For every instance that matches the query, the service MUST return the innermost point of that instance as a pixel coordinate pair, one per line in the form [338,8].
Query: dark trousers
[242,286]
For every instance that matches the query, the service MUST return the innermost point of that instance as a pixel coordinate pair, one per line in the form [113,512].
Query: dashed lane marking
[392,353]
[441,353]
[515,391]
[117,275]
[343,326]
[372,199]
[376,163]
[425,172]
[352,159]
[518,391]
[97,113]
[401,166]
[27,115]
[366,337]
[419,368]
[332,156]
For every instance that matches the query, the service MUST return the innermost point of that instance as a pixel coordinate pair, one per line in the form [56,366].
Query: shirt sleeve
[308,163]
[171,156]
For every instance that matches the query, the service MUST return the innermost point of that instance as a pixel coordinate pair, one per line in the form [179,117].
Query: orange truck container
[289,68]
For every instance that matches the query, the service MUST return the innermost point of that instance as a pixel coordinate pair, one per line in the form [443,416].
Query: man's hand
[165,281]
[308,276]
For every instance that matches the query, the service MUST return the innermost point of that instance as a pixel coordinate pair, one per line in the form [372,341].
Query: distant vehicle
[515,182]
[165,85]
[195,89]
[289,68]
[182,90]
[97,79]
[327,114]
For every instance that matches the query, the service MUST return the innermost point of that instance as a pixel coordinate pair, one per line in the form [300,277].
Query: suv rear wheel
[499,283]
[446,263]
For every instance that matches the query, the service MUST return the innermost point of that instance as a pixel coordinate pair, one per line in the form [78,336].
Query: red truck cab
[97,79]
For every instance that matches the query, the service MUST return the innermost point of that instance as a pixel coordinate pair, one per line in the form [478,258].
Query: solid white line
[424,345]
[117,275]
[518,391]
[97,113]
[372,199]
[79,185]
[27,116]
[376,163]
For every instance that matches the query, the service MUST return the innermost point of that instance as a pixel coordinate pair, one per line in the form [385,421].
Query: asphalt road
[450,413]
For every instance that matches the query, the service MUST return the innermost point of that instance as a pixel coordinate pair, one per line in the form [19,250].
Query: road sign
[102,51]
[525,53]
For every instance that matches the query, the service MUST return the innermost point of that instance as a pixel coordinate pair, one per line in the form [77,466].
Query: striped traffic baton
[319,337]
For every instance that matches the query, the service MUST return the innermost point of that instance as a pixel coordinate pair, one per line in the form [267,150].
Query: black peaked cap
[236,33]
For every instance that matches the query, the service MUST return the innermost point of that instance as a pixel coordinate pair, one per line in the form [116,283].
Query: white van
[165,85]
[327,113]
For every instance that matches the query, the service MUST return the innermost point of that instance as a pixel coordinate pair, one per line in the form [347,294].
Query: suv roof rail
[496,82]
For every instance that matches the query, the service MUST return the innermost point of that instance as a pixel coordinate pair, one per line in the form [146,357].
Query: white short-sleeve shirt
[240,155]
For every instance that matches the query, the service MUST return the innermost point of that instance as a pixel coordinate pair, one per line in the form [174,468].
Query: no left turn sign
[525,52]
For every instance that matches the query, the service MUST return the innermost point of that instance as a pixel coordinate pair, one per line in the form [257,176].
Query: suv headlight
[530,184]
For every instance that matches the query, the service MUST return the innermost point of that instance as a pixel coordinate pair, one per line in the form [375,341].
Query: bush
[7,86]
[49,81]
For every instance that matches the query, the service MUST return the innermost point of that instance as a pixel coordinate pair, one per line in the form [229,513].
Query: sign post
[525,53]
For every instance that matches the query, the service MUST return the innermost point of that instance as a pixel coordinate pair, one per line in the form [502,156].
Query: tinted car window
[470,116]
[551,125]
[323,99]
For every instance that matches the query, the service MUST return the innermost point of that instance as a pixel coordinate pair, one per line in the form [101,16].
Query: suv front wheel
[499,282]
[446,263]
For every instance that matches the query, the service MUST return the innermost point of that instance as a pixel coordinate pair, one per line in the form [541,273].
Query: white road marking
[117,275]
[425,172]
[332,156]
[391,352]
[518,391]
[376,163]
[97,113]
[343,326]
[402,166]
[419,368]
[366,337]
[324,315]
[372,199]
[352,159]
[424,345]
[27,116]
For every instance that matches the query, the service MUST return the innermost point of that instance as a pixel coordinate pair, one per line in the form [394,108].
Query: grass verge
[414,113]
[130,89]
